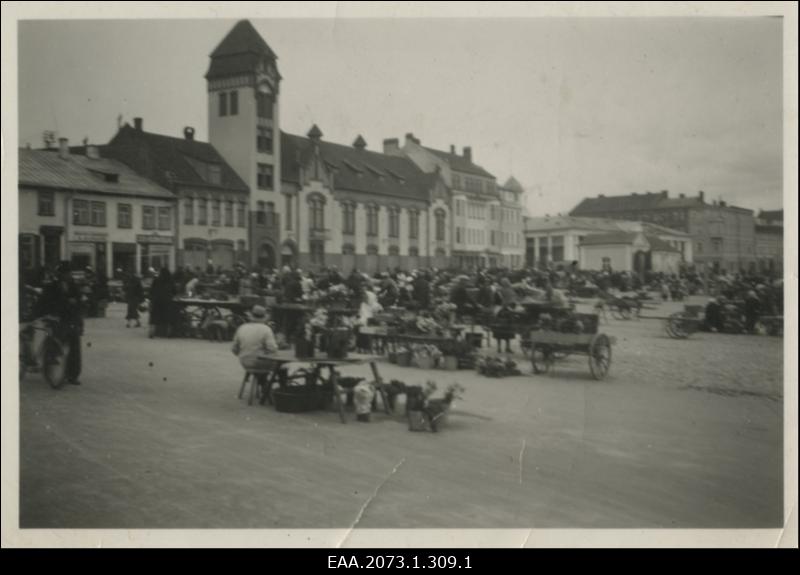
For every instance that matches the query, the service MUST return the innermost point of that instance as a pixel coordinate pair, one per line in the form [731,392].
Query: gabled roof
[169,160]
[559,222]
[239,52]
[359,170]
[460,163]
[771,215]
[46,168]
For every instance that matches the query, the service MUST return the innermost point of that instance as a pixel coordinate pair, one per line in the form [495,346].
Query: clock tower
[243,124]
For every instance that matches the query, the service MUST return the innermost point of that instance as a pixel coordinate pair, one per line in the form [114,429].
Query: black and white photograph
[343,274]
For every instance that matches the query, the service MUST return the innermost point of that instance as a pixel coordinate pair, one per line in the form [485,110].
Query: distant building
[723,235]
[769,241]
[213,210]
[562,240]
[474,202]
[510,234]
[93,211]
[355,208]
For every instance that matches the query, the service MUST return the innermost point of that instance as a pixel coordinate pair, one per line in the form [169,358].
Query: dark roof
[169,160]
[633,202]
[46,168]
[771,215]
[359,170]
[239,52]
[659,245]
[513,185]
[460,163]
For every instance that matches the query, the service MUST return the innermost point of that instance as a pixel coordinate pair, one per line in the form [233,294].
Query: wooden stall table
[284,357]
[208,306]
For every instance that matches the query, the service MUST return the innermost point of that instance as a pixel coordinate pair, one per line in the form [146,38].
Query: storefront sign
[89,237]
[154,239]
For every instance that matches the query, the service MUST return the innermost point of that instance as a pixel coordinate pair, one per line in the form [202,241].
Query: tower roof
[239,52]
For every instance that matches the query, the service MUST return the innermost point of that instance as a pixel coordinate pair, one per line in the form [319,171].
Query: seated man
[254,340]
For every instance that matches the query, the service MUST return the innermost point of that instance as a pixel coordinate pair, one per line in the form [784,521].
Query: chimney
[92,152]
[188,133]
[722,203]
[681,196]
[664,193]
[634,194]
[137,124]
[702,195]
[63,148]
[360,143]
[391,146]
[452,149]
[468,153]
[315,134]
[410,138]
[601,195]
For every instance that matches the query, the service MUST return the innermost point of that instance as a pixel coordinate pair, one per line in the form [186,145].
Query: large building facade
[92,211]
[723,236]
[769,241]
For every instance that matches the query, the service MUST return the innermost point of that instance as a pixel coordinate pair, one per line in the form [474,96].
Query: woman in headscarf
[507,293]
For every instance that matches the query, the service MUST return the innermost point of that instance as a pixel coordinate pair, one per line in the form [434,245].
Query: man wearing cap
[254,340]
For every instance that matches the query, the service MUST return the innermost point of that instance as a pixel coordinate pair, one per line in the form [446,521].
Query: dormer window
[215,174]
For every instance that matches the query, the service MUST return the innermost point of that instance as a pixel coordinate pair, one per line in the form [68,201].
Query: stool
[251,375]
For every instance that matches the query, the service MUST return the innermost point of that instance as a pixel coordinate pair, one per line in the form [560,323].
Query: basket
[403,358]
[450,363]
[300,400]
[417,421]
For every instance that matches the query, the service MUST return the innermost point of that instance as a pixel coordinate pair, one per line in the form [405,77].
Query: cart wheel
[599,356]
[541,358]
[55,363]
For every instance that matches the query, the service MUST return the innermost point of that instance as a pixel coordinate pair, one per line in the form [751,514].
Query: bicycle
[49,355]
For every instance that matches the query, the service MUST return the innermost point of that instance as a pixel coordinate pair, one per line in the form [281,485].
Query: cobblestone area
[683,433]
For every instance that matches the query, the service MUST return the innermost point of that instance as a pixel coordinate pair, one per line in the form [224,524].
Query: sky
[570,107]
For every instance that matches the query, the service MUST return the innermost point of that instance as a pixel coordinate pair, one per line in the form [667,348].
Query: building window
[124,213]
[316,213]
[288,212]
[270,216]
[241,215]
[188,211]
[216,213]
[413,224]
[164,218]
[716,245]
[493,238]
[394,222]
[456,181]
[99,214]
[202,211]
[440,224]
[264,140]
[264,178]
[229,213]
[348,218]
[234,103]
[413,251]
[47,203]
[699,247]
[372,220]
[263,105]
[148,218]
[223,104]
[215,174]
[458,235]
[317,252]
[261,213]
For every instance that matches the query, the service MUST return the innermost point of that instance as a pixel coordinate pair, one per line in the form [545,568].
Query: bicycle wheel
[55,362]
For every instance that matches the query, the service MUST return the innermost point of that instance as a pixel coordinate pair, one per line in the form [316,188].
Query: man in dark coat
[162,292]
[134,295]
[62,298]
[422,291]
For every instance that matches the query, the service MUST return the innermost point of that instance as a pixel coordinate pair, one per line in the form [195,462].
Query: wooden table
[286,357]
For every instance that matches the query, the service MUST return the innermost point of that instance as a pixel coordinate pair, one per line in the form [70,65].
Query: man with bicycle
[62,299]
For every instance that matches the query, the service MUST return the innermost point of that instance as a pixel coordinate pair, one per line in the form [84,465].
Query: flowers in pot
[456,353]
[492,366]
[426,356]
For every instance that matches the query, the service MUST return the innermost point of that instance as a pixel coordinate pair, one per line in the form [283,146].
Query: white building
[557,240]
[92,211]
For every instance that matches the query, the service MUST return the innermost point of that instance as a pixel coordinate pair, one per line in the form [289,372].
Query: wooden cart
[549,345]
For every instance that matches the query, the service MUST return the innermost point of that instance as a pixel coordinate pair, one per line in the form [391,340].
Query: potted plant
[426,356]
[403,355]
[456,353]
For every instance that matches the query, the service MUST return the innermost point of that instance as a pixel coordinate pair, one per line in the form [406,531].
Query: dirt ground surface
[683,433]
